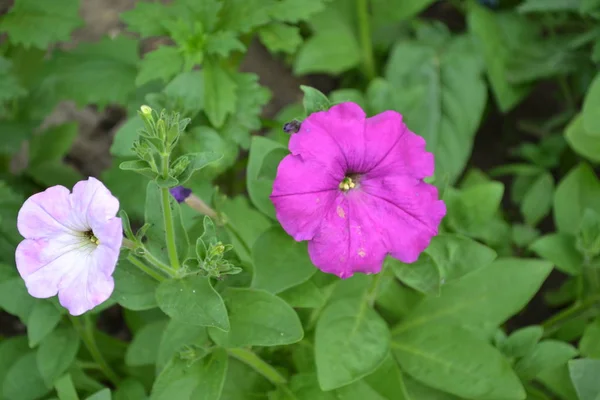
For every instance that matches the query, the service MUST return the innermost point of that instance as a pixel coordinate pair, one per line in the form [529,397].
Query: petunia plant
[299,200]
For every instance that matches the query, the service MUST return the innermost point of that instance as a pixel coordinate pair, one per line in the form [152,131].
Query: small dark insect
[292,127]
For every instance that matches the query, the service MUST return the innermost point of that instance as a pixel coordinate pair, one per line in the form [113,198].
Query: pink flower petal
[93,203]
[301,202]
[408,210]
[109,233]
[393,149]
[47,214]
[349,240]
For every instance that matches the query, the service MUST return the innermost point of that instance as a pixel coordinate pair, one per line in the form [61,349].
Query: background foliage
[502,305]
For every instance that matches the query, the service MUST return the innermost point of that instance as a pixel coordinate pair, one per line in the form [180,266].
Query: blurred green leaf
[56,353]
[162,64]
[584,374]
[280,37]
[143,349]
[578,190]
[219,93]
[537,202]
[23,380]
[559,249]
[584,143]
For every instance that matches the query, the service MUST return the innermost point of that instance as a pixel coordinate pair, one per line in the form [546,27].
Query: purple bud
[180,193]
[292,127]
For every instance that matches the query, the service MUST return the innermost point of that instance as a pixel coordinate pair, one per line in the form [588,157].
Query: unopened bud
[146,110]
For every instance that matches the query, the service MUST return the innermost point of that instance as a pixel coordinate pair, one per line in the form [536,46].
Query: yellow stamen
[347,184]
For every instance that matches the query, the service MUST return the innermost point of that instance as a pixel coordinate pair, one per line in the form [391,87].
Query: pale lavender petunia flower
[353,187]
[72,243]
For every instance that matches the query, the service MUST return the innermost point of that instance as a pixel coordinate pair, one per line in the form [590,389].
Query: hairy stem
[168,217]
[146,269]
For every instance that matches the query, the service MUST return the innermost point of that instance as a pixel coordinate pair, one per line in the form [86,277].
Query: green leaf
[483,299]
[522,341]
[330,51]
[589,345]
[260,189]
[223,43]
[314,101]
[143,349]
[146,19]
[65,389]
[295,10]
[452,359]
[192,300]
[584,374]
[591,108]
[546,355]
[243,15]
[53,144]
[423,275]
[134,289]
[39,24]
[10,87]
[537,202]
[130,389]
[305,295]
[82,73]
[43,319]
[276,271]
[129,188]
[219,93]
[389,11]
[23,380]
[426,82]
[351,341]
[14,298]
[548,5]
[104,394]
[177,335]
[11,350]
[579,190]
[498,34]
[56,353]
[559,249]
[473,207]
[257,318]
[160,64]
[187,89]
[207,139]
[584,143]
[197,161]
[127,133]
[280,37]
[200,380]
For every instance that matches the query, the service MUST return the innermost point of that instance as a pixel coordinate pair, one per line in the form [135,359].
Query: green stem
[554,322]
[145,268]
[86,332]
[168,217]
[258,364]
[362,10]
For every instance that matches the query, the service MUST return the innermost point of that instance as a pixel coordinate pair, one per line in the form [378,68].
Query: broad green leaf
[192,300]
[420,391]
[40,23]
[56,353]
[584,374]
[65,389]
[223,43]
[197,161]
[276,271]
[257,318]
[559,249]
[219,93]
[314,100]
[10,87]
[423,275]
[295,10]
[143,349]
[351,341]
[389,11]
[161,64]
[473,207]
[104,394]
[243,15]
[548,5]
[187,89]
[134,289]
[305,295]
[43,319]
[522,341]
[589,345]
[498,33]
[579,190]
[584,143]
[591,108]
[452,359]
[587,240]
[483,299]
[130,389]
[426,84]
[23,380]
[199,380]
[546,355]
[177,335]
[244,383]
[130,188]
[122,145]
[559,382]
[82,73]
[388,381]
[260,189]
[203,138]
[52,144]
[53,173]
[146,19]
[14,298]
[280,37]
[537,202]
[11,350]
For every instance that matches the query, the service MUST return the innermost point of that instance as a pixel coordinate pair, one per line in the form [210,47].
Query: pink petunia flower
[72,243]
[353,187]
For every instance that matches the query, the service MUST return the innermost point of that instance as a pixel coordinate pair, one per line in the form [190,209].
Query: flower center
[90,235]
[347,184]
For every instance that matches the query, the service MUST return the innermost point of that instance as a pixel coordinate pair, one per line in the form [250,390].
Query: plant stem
[258,364]
[86,332]
[145,268]
[554,322]
[362,10]
[168,217]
